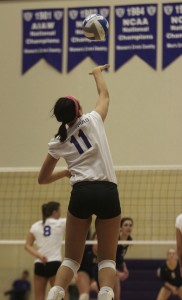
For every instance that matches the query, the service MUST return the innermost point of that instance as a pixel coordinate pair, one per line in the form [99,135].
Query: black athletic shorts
[100,198]
[92,271]
[46,270]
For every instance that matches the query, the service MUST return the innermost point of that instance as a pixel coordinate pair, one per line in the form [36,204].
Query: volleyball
[95,27]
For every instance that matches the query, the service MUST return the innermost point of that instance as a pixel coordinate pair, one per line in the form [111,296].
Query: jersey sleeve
[63,222]
[178,223]
[96,115]
[54,147]
[162,273]
[32,228]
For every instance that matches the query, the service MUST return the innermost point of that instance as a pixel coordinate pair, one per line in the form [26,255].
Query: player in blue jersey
[81,141]
[21,288]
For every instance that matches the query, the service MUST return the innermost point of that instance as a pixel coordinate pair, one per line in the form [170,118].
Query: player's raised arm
[103,100]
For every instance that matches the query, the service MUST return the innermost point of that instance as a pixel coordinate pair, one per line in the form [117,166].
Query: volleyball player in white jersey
[81,140]
[178,226]
[48,234]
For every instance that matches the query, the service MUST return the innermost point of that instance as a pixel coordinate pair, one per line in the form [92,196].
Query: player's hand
[43,259]
[174,290]
[122,275]
[67,173]
[100,69]
[124,267]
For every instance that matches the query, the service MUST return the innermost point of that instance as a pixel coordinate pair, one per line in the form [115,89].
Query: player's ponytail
[48,209]
[44,207]
[66,110]
[62,132]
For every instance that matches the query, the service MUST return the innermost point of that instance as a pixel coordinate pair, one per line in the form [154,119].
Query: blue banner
[79,47]
[172,32]
[135,33]
[42,37]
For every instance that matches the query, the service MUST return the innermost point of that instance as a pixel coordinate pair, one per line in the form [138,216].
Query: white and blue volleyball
[95,27]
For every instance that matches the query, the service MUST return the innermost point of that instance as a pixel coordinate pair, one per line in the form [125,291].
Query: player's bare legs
[40,284]
[180,292]
[83,283]
[117,288]
[107,234]
[164,294]
[76,232]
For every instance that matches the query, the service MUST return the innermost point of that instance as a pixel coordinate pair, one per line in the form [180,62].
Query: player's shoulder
[36,226]
[54,142]
[95,115]
[179,221]
[62,221]
[90,115]
[179,217]
[162,267]
[54,221]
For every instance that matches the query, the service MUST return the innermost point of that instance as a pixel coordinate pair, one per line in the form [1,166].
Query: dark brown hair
[48,209]
[66,110]
[125,219]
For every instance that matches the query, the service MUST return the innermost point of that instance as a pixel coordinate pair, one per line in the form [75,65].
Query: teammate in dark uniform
[178,226]
[122,272]
[87,278]
[88,271]
[169,273]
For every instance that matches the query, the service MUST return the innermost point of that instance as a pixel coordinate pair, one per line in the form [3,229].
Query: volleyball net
[151,195]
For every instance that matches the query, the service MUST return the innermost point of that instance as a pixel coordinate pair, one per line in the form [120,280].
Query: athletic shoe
[106,295]
[55,294]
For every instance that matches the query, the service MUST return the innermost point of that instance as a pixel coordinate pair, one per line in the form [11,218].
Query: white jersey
[179,222]
[48,237]
[86,150]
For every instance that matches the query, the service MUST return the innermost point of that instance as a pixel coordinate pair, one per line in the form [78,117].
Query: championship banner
[42,37]
[135,33]
[172,32]
[79,47]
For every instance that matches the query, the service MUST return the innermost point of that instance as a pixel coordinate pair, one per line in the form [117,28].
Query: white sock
[59,288]
[105,289]
[105,293]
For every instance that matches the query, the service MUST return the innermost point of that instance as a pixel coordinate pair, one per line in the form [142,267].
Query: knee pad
[84,296]
[107,264]
[72,264]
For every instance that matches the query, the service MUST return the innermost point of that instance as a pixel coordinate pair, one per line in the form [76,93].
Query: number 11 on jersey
[74,141]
